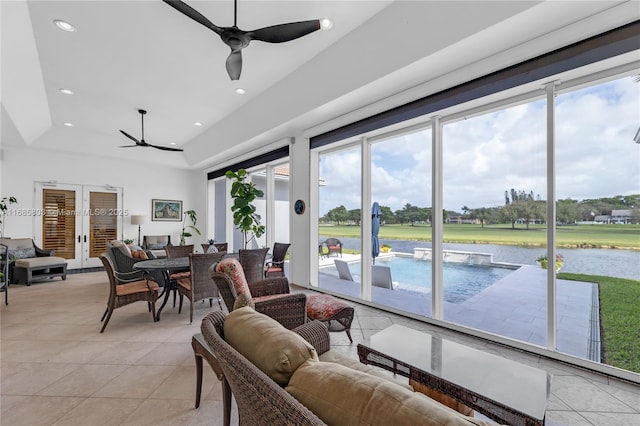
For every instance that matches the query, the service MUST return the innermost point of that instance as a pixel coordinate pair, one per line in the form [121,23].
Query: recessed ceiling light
[68,124]
[172,143]
[64,26]
[66,91]
[326,24]
[197,123]
[240,91]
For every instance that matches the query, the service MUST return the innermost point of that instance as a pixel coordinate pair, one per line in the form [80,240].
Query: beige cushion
[341,395]
[353,363]
[122,247]
[276,351]
[17,243]
[38,262]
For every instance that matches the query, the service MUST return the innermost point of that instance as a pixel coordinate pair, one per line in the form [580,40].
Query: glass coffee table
[503,390]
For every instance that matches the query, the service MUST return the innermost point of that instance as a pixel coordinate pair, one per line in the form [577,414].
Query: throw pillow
[139,254]
[122,247]
[276,351]
[23,253]
[156,246]
[232,268]
[341,395]
[243,300]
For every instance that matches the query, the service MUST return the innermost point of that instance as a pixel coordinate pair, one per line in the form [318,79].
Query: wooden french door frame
[77,219]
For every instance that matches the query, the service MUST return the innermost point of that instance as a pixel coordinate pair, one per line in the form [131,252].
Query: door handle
[85,238]
[79,239]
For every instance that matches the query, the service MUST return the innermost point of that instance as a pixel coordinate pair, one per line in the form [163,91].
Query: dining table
[167,266]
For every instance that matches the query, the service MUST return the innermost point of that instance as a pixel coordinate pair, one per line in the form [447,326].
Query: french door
[77,221]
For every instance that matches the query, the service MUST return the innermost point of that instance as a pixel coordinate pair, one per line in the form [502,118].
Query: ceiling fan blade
[193,14]
[130,137]
[128,146]
[284,32]
[166,148]
[234,64]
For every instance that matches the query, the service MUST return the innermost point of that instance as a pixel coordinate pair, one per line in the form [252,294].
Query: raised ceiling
[144,54]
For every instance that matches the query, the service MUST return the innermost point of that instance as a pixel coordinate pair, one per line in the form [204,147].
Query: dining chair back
[199,285]
[179,251]
[275,267]
[252,261]
[126,288]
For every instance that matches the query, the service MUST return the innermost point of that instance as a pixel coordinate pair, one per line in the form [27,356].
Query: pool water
[461,281]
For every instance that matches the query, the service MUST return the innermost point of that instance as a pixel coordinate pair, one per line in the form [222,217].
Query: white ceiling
[144,54]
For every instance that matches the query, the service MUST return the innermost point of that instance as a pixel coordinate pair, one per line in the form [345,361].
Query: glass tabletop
[508,382]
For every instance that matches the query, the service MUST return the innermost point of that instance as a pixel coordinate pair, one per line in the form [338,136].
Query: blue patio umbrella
[376,212]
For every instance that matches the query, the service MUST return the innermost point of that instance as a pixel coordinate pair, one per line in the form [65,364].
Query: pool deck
[515,307]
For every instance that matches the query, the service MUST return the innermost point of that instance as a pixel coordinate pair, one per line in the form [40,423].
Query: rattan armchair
[259,399]
[252,261]
[199,285]
[270,296]
[126,288]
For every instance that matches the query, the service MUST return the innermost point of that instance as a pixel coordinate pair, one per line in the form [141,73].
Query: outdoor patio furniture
[275,267]
[31,263]
[156,244]
[126,288]
[334,245]
[175,275]
[199,285]
[335,313]
[4,271]
[271,296]
[381,276]
[343,270]
[202,350]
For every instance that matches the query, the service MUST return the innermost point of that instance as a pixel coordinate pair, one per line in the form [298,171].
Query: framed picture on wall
[166,210]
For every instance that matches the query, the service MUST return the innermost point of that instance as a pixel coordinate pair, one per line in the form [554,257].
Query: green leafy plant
[244,212]
[4,206]
[544,261]
[191,214]
[128,241]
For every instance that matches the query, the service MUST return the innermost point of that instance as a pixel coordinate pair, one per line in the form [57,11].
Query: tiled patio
[57,369]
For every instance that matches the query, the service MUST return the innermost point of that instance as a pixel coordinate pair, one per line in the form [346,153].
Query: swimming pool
[461,281]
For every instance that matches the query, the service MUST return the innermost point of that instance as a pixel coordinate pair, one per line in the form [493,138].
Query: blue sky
[486,155]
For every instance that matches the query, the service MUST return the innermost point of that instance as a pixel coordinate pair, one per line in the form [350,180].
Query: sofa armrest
[42,253]
[317,334]
[279,285]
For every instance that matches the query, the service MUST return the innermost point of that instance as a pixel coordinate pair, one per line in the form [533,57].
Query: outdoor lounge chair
[381,276]
[343,270]
[334,245]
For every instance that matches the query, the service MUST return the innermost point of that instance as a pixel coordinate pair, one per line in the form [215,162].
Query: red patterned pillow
[232,268]
[139,254]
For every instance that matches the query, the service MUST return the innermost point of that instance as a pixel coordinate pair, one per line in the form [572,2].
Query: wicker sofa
[279,376]
[31,263]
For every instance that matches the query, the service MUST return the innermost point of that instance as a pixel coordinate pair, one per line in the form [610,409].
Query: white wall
[21,167]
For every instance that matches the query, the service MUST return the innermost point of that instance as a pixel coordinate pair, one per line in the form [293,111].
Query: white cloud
[491,153]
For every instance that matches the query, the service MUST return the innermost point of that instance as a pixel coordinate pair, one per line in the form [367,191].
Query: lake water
[608,262]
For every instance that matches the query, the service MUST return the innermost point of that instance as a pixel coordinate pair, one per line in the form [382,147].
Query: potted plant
[385,248]
[191,214]
[4,206]
[128,241]
[544,261]
[244,212]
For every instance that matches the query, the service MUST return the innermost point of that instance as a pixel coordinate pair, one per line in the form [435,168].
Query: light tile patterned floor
[57,369]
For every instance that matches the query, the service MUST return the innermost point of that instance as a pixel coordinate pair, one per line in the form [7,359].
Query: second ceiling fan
[238,39]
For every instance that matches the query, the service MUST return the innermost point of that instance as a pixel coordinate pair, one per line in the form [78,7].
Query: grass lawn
[619,319]
[595,236]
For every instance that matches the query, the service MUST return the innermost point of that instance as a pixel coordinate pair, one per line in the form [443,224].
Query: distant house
[616,216]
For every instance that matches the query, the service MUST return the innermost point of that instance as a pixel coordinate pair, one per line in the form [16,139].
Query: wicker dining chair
[123,290]
[252,261]
[270,296]
[175,275]
[199,285]
[275,267]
